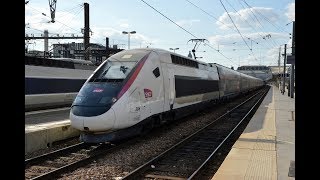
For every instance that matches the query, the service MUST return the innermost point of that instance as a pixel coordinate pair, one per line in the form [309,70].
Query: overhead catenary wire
[246,22]
[214,17]
[235,25]
[71,18]
[238,31]
[209,14]
[279,28]
[72,9]
[55,20]
[186,30]
[251,8]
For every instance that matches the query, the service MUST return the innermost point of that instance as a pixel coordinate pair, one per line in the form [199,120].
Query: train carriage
[54,82]
[137,89]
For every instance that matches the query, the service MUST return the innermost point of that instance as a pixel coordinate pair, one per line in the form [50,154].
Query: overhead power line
[234,25]
[237,29]
[71,18]
[55,20]
[169,19]
[233,29]
[247,23]
[281,29]
[186,30]
[209,14]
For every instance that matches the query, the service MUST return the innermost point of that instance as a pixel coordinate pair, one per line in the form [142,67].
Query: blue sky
[262,26]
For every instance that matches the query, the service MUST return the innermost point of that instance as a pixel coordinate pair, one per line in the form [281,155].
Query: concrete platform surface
[266,148]
[39,136]
[46,116]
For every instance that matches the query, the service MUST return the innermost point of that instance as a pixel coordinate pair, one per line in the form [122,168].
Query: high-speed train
[135,90]
[54,82]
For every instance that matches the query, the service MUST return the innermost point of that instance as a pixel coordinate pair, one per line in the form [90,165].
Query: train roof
[173,53]
[254,67]
[76,61]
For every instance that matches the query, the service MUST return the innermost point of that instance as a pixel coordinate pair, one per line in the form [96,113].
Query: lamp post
[174,49]
[125,32]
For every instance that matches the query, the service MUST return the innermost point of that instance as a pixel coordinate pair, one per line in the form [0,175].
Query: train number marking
[97,90]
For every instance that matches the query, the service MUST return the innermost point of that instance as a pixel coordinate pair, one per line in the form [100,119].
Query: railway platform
[266,148]
[42,128]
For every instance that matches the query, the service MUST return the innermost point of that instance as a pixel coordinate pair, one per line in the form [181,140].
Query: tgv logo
[147,93]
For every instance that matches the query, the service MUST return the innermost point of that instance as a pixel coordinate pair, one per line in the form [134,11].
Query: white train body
[139,88]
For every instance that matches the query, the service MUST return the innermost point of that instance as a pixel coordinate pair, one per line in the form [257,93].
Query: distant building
[36,53]
[258,71]
[98,52]
[278,71]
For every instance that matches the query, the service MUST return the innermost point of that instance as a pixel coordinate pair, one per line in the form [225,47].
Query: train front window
[114,70]
[117,67]
[117,70]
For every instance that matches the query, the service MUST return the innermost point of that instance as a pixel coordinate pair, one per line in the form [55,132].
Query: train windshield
[113,70]
[118,66]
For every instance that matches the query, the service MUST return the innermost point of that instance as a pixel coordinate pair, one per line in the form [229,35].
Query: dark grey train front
[103,87]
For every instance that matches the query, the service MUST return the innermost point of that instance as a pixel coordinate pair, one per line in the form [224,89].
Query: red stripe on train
[133,77]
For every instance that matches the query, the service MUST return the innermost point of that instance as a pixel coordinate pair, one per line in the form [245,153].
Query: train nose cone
[103,122]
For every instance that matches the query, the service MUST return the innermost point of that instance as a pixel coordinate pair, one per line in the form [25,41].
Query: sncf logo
[97,90]
[147,93]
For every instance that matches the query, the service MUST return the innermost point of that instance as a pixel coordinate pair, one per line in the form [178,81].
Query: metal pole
[279,59]
[292,66]
[289,83]
[128,40]
[292,81]
[293,39]
[86,31]
[284,69]
[46,43]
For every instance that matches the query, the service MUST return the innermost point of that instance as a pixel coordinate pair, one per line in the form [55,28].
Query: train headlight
[114,100]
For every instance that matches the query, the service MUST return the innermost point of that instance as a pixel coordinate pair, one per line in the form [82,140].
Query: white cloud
[265,52]
[290,11]
[187,22]
[244,18]
[272,56]
[99,35]
[123,23]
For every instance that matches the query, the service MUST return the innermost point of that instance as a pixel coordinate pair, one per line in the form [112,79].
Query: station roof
[277,69]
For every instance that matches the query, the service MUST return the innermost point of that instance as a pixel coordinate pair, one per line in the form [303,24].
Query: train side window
[156,72]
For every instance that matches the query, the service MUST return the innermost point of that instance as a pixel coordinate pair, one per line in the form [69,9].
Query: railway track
[187,158]
[52,164]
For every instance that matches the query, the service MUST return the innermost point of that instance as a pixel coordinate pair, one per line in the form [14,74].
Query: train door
[134,106]
[169,91]
[171,88]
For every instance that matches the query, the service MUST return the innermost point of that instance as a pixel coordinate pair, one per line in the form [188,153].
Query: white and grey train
[54,82]
[135,90]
